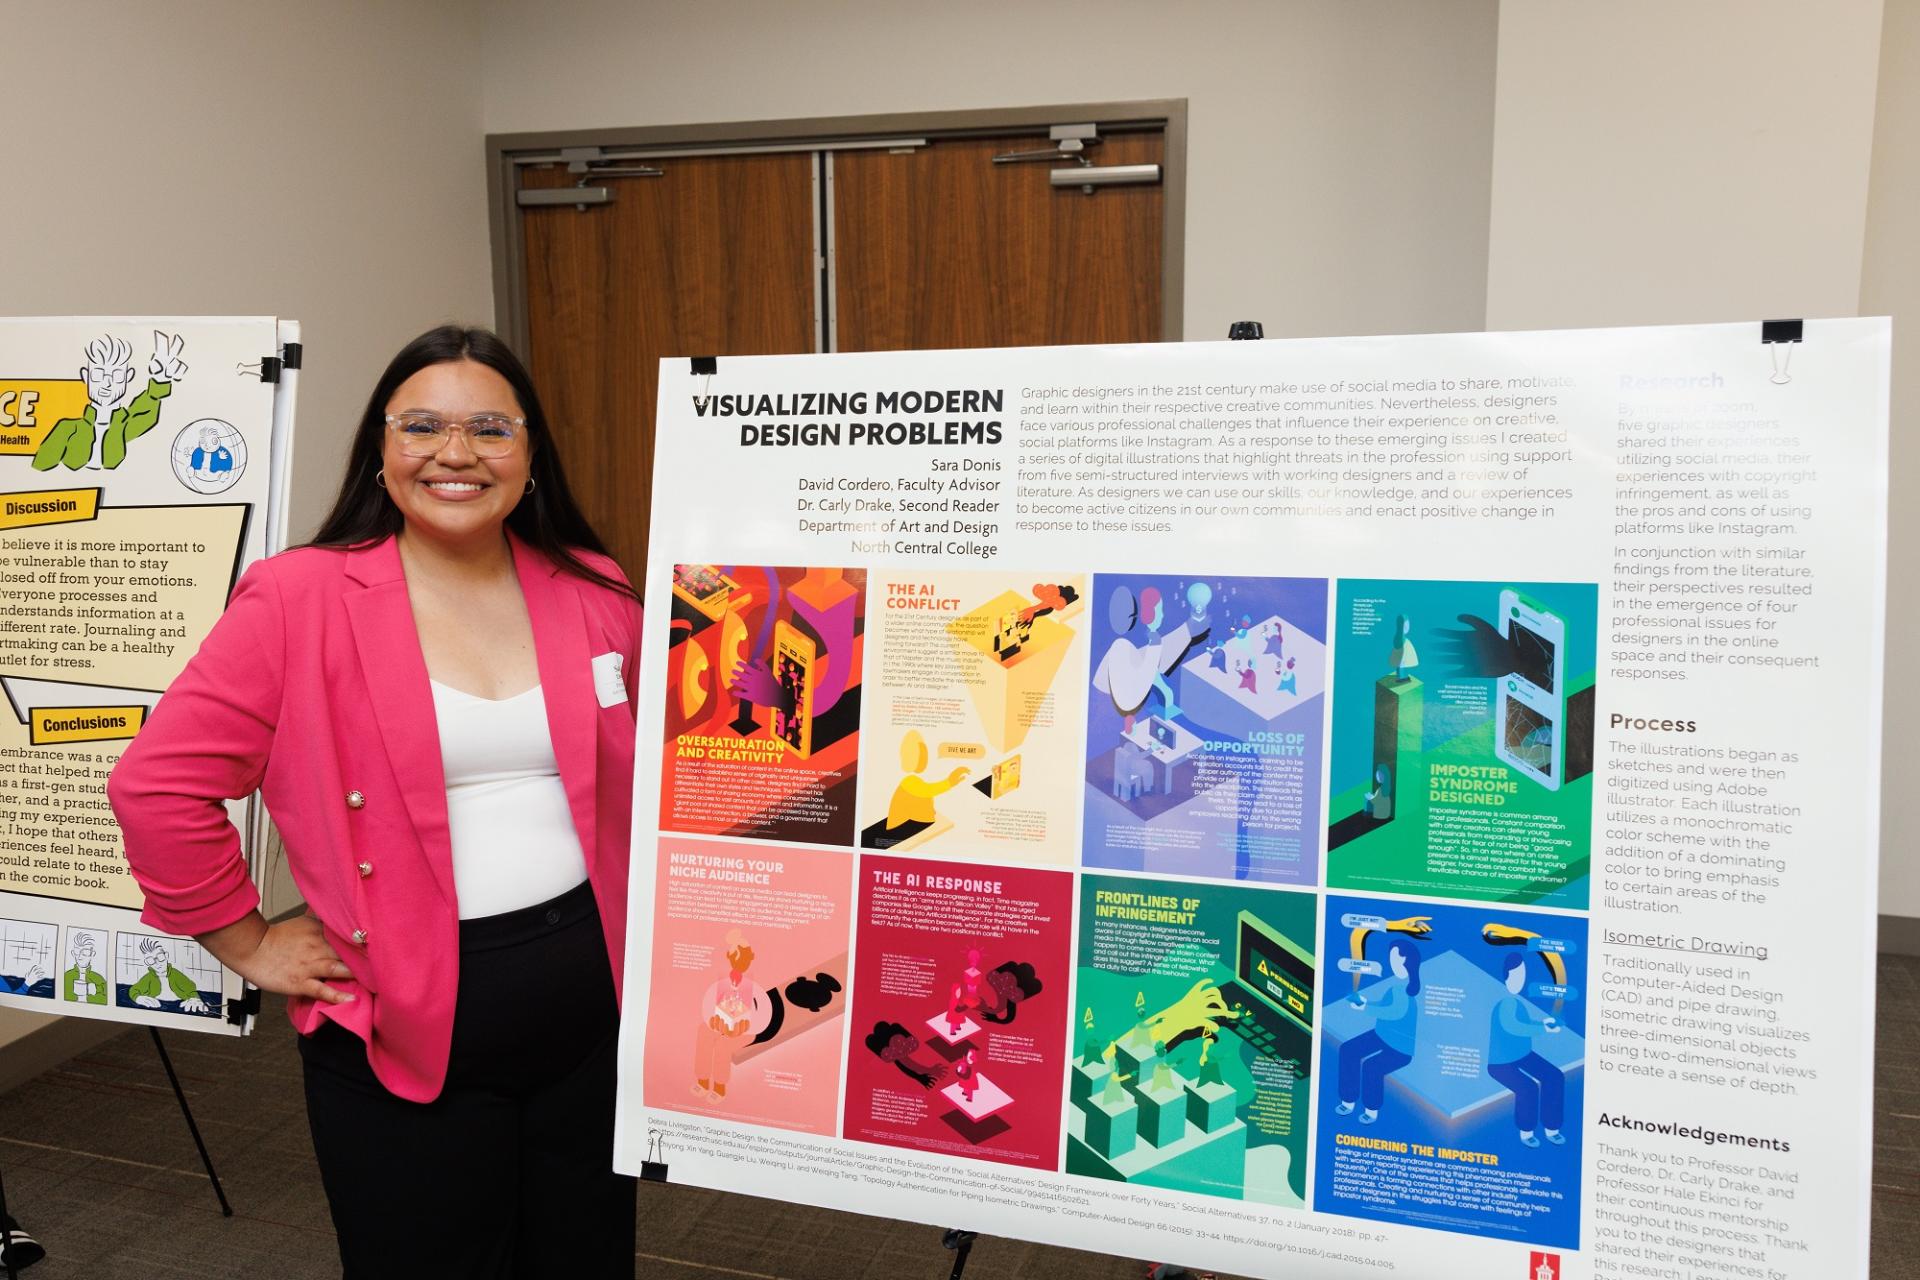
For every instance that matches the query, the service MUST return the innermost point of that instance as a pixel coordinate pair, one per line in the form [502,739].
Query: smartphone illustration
[795,657]
[704,587]
[1532,706]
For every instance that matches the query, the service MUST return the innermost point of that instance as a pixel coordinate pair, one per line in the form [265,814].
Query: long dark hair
[547,519]
[1410,955]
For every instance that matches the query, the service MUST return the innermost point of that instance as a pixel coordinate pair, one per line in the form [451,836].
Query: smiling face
[455,496]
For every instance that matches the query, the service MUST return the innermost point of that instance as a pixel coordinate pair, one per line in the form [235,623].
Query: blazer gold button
[355,800]
[359,937]
[366,869]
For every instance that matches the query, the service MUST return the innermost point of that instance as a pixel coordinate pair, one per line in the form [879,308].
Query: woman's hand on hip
[291,958]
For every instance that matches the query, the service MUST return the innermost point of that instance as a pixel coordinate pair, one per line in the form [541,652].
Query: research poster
[137,458]
[1311,808]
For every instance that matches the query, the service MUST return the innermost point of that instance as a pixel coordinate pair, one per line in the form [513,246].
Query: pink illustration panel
[744,1021]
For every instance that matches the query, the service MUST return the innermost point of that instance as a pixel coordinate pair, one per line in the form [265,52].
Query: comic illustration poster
[137,469]
[960,1009]
[1194,1038]
[977,705]
[750,981]
[1452,1068]
[763,702]
[1463,739]
[1204,726]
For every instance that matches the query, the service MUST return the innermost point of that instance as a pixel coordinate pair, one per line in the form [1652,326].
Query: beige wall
[1890,285]
[1662,163]
[1339,153]
[321,162]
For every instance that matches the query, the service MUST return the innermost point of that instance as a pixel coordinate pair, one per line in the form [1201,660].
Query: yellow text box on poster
[119,602]
[48,726]
[122,600]
[30,407]
[48,506]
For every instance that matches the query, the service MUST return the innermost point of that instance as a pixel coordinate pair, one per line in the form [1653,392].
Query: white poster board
[1306,808]
[139,457]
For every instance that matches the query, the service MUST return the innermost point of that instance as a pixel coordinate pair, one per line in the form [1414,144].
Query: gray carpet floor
[99,1166]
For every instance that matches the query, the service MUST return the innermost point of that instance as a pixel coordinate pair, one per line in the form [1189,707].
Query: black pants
[508,1173]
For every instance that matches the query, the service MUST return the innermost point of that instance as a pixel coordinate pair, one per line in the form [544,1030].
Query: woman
[1370,1057]
[433,698]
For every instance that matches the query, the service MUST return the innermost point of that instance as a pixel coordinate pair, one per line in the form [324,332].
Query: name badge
[609,686]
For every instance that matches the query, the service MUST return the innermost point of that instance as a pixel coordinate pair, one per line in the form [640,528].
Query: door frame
[505,150]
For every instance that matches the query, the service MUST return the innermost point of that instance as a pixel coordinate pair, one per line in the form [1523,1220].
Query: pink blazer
[312,689]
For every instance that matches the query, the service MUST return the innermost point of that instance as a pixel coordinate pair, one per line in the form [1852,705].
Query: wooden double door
[793,251]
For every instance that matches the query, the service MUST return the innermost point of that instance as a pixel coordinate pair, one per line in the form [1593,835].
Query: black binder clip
[654,1168]
[1245,331]
[704,367]
[244,1006]
[1779,338]
[290,353]
[267,368]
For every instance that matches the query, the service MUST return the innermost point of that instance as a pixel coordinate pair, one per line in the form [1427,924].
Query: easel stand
[961,1243]
[226,1210]
[186,1112]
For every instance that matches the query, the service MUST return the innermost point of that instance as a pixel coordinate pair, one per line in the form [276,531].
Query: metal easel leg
[961,1243]
[226,1209]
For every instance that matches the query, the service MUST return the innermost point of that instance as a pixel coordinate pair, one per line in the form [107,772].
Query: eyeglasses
[421,435]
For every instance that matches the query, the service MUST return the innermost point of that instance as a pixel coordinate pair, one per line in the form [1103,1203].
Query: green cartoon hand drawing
[99,437]
[1197,1013]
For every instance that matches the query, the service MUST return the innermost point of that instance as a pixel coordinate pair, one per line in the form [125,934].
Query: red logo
[1543,1266]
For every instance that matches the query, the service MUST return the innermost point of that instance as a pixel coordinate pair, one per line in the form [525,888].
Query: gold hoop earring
[380,478]
[529,489]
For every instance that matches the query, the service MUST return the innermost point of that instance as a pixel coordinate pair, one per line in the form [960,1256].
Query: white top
[514,842]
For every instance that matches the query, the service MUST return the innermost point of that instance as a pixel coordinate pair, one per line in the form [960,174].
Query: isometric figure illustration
[1404,657]
[966,1075]
[99,437]
[1204,738]
[1370,1057]
[1539,1087]
[911,812]
[1138,658]
[732,1012]
[1457,1032]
